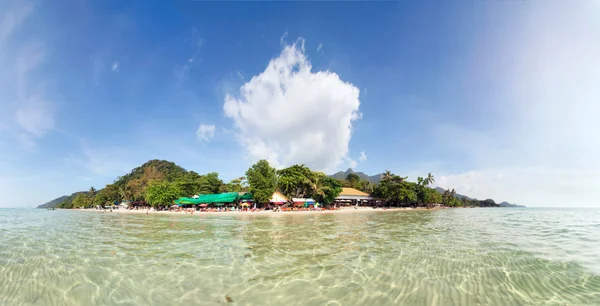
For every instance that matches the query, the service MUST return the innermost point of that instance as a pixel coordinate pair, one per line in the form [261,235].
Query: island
[164,185]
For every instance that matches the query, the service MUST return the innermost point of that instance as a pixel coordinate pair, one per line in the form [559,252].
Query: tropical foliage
[262,179]
[328,189]
[162,193]
[297,181]
[159,182]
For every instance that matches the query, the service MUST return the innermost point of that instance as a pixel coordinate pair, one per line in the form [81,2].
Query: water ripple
[449,257]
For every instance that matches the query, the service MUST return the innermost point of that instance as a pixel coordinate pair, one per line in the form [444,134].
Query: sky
[498,99]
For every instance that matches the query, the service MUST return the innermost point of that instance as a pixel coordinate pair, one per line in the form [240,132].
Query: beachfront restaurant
[351,196]
[220,199]
[305,202]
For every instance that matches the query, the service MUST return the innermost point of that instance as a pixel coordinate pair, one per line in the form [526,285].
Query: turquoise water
[493,256]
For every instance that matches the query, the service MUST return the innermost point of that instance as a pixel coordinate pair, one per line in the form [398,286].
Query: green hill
[132,186]
[54,202]
[372,179]
[61,201]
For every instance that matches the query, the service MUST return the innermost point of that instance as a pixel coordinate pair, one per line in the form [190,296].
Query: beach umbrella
[245,204]
[203,205]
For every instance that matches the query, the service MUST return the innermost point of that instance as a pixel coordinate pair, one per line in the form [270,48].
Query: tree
[126,193]
[210,183]
[387,175]
[394,189]
[92,192]
[429,179]
[81,200]
[353,180]
[138,185]
[329,189]
[297,181]
[189,184]
[108,194]
[425,195]
[161,193]
[262,179]
[365,186]
[236,185]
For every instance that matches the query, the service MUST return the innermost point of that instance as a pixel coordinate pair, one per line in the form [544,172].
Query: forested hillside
[159,182]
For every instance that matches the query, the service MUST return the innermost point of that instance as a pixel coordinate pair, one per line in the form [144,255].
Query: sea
[478,256]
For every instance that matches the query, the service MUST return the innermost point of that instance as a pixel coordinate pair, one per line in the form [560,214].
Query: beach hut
[278,198]
[351,196]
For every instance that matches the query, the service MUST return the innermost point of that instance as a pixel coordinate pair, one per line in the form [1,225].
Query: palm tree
[387,175]
[92,192]
[429,179]
[125,192]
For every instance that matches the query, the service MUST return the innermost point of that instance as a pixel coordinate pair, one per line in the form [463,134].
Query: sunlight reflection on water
[450,257]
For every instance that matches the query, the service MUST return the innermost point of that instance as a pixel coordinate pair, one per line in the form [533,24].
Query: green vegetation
[158,193]
[328,189]
[263,180]
[159,182]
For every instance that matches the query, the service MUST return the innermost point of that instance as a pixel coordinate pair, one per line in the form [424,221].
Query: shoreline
[262,213]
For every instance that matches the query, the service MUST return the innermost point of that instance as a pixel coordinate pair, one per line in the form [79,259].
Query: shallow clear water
[495,256]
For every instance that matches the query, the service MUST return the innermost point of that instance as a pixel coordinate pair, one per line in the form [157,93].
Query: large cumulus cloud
[289,114]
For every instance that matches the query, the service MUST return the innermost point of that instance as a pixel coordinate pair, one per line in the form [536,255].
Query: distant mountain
[54,203]
[506,204]
[458,196]
[342,176]
[461,196]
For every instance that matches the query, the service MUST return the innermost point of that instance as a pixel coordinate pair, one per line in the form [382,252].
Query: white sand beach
[346,210]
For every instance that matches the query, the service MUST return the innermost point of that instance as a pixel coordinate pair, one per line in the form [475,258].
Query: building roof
[278,197]
[352,192]
[302,200]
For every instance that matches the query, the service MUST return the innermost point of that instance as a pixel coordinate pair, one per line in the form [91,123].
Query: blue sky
[497,99]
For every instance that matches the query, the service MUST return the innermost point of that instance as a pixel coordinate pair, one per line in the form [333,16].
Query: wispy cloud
[320,47]
[195,58]
[23,90]
[114,66]
[205,132]
[363,156]
[12,17]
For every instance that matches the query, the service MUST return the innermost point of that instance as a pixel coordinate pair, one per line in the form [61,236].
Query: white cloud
[205,132]
[352,163]
[349,162]
[541,150]
[288,114]
[320,47]
[115,66]
[195,58]
[363,156]
[12,17]
[240,75]
[22,86]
